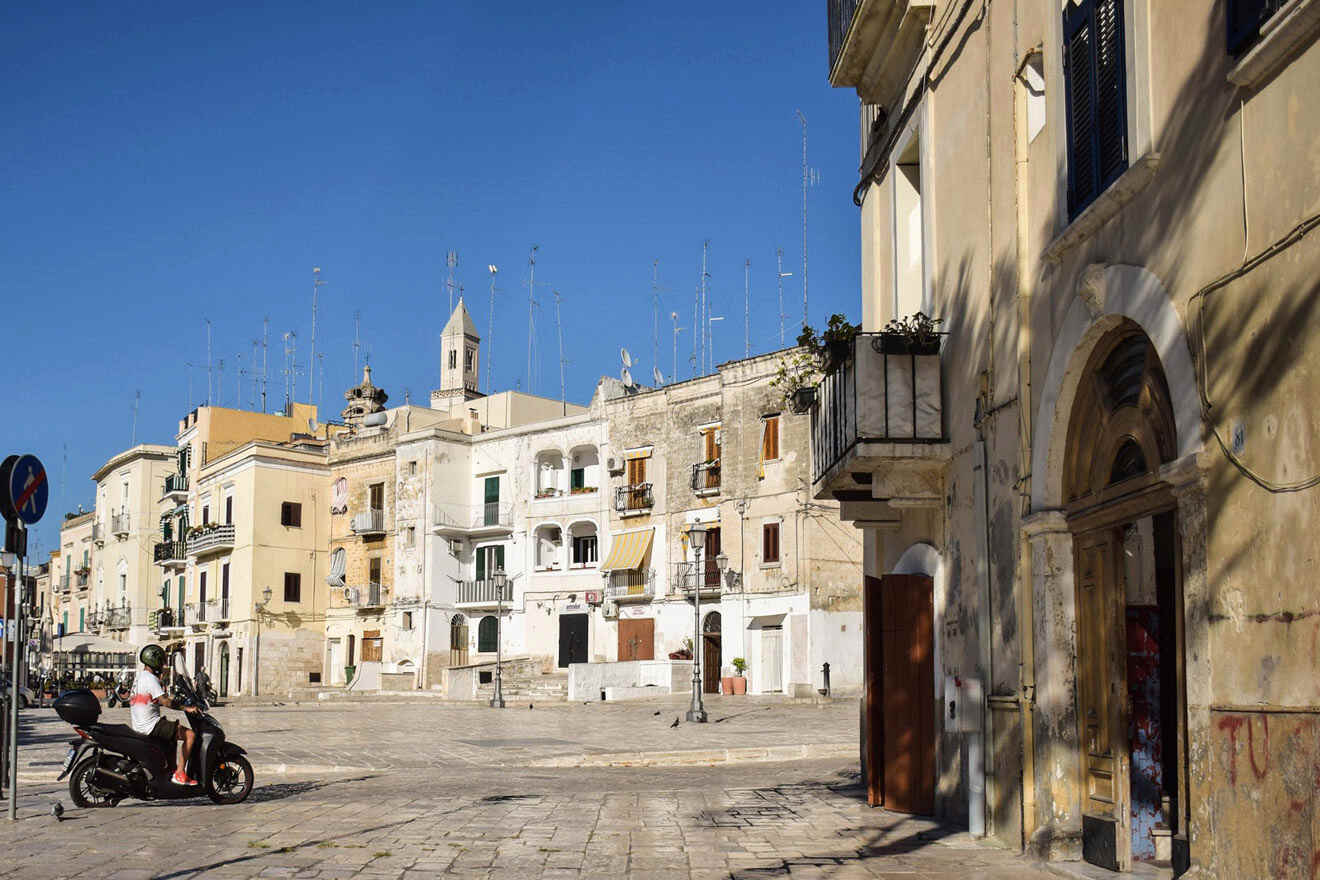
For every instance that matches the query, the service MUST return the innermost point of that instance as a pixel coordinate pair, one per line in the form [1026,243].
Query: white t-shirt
[144,705]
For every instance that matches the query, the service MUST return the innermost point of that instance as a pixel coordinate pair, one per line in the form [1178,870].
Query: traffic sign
[24,490]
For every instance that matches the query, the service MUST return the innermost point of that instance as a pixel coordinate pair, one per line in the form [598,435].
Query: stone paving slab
[349,737]
[801,820]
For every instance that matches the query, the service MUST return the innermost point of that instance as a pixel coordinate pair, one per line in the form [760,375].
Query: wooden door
[637,639]
[1102,701]
[898,705]
[772,660]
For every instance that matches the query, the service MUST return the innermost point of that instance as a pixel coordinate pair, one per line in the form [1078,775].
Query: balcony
[365,596]
[706,478]
[480,594]
[214,538]
[176,488]
[636,499]
[685,578]
[631,586]
[873,45]
[474,520]
[119,525]
[369,522]
[877,426]
[170,554]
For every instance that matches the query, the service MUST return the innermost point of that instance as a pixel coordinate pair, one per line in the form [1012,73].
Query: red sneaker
[181,778]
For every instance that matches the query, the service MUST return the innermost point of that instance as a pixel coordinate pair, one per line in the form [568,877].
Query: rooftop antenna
[451,260]
[747,307]
[208,361]
[707,355]
[490,331]
[809,177]
[531,306]
[779,258]
[357,343]
[673,316]
[137,400]
[311,358]
[265,359]
[559,331]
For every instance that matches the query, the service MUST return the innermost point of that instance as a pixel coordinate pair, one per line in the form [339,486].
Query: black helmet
[153,657]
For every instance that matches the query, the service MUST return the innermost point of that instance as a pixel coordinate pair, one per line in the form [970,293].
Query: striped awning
[627,550]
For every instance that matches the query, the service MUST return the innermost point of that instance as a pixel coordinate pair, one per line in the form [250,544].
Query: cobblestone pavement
[778,820]
[388,736]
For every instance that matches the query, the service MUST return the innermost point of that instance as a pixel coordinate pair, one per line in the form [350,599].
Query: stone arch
[1107,295]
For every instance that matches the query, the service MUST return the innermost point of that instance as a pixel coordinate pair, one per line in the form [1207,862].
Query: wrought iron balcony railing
[888,389]
[631,499]
[706,477]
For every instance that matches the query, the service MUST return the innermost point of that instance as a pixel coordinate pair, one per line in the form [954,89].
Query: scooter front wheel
[230,781]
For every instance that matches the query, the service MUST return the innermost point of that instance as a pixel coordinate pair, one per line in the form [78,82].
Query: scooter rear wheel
[230,781]
[85,792]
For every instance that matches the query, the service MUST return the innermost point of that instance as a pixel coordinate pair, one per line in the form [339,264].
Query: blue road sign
[28,489]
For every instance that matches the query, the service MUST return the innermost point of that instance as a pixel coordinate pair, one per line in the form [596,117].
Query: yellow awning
[627,550]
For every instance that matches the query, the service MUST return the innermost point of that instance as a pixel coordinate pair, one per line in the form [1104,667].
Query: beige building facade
[1093,531]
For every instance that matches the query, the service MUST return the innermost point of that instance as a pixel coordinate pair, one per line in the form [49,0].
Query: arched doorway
[458,640]
[711,657]
[1128,600]
[224,670]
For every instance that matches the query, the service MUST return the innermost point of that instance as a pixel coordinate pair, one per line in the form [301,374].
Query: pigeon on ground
[57,810]
[675,724]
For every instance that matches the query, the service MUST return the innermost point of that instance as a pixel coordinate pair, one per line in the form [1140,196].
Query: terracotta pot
[726,685]
[739,684]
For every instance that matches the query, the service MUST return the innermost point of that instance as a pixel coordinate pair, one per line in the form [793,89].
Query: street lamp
[256,660]
[501,580]
[697,538]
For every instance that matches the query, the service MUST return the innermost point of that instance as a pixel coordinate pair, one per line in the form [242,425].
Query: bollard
[825,672]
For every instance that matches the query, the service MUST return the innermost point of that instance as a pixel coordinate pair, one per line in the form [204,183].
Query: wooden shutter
[1095,78]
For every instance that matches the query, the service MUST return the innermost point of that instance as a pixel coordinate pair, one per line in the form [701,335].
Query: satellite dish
[658,376]
[627,358]
[626,376]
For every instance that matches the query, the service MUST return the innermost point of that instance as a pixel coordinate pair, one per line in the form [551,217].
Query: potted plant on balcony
[739,681]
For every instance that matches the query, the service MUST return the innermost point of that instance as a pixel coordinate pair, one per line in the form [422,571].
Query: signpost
[24,493]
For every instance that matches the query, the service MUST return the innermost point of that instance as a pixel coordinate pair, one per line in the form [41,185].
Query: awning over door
[627,550]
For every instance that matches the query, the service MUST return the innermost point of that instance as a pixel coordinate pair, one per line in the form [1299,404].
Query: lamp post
[501,580]
[697,539]
[256,660]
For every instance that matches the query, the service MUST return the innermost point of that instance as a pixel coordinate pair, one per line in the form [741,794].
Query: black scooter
[110,762]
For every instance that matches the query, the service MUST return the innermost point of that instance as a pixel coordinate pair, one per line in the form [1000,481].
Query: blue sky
[166,165]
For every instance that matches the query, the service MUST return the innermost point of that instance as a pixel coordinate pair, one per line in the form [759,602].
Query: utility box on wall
[964,701]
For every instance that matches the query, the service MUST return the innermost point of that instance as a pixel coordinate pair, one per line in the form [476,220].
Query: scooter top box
[78,706]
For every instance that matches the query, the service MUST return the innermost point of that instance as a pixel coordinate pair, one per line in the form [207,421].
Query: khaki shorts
[166,728]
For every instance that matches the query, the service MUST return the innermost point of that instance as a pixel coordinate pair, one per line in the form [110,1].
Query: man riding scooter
[144,708]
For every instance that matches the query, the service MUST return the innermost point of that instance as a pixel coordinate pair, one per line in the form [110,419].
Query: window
[292,586]
[770,438]
[1095,87]
[770,543]
[584,549]
[453,358]
[229,510]
[1244,20]
[291,514]
[487,635]
[376,496]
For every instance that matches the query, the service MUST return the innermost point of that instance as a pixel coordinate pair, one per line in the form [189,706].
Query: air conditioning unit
[614,465]
[610,609]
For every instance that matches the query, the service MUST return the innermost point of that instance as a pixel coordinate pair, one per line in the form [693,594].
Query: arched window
[487,635]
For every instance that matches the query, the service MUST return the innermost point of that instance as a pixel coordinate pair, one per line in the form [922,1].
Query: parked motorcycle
[117,694]
[110,762]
